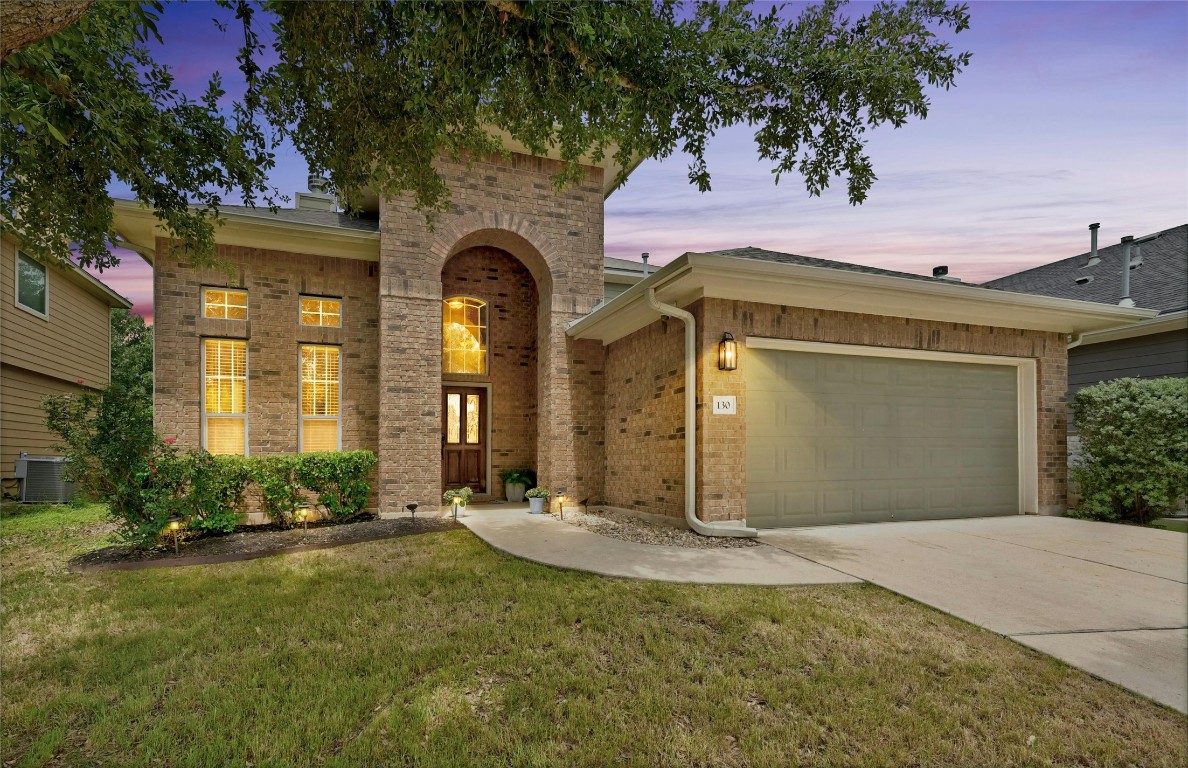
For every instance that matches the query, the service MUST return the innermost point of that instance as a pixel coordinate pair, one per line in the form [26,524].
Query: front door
[464,438]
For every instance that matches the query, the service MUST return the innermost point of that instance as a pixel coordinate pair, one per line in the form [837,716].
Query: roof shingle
[1159,282]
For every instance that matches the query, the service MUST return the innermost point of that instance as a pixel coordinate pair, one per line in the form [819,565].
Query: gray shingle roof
[302,216]
[759,254]
[1160,282]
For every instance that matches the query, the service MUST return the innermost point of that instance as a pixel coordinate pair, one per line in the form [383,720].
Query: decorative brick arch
[507,231]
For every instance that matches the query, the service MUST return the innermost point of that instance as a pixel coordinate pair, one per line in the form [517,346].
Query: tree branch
[30,21]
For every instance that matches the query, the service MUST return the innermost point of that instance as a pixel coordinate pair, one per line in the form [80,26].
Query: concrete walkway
[542,539]
[1109,599]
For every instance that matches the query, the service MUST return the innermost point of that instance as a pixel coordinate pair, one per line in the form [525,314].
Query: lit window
[224,428]
[32,285]
[464,335]
[315,311]
[320,386]
[224,304]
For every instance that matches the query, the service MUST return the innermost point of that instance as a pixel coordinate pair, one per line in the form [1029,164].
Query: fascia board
[1172,321]
[629,311]
[698,275]
[830,289]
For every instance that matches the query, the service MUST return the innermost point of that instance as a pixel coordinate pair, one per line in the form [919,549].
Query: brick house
[485,343]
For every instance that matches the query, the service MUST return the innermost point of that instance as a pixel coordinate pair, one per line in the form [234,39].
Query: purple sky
[1070,113]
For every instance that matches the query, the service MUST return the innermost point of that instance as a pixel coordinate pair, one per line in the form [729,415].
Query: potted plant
[457,498]
[515,482]
[537,498]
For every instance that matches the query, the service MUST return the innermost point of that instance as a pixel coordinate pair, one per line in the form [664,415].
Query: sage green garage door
[853,439]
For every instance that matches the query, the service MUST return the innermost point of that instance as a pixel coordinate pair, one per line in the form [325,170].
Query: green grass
[1172,525]
[433,650]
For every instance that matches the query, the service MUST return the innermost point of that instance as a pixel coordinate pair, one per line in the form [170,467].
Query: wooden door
[464,438]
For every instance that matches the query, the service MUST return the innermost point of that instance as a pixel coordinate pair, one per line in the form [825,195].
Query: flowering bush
[538,493]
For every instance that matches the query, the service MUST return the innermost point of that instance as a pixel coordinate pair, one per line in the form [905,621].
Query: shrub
[215,496]
[525,477]
[340,480]
[279,482]
[1134,441]
[109,440]
[538,493]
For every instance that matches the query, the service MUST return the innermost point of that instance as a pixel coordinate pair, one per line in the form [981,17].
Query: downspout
[704,529]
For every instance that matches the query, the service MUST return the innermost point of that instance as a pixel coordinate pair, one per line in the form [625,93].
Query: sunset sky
[1070,113]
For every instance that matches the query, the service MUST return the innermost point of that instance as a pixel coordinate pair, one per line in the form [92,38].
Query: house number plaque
[725,405]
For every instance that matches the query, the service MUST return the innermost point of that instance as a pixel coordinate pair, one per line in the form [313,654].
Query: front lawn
[1172,525]
[434,650]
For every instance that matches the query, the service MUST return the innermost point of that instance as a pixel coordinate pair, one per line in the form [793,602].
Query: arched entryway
[489,367]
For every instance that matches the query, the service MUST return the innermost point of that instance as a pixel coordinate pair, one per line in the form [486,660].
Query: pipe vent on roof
[1093,259]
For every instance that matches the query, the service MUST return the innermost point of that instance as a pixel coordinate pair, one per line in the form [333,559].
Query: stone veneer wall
[496,277]
[644,410]
[274,281]
[508,204]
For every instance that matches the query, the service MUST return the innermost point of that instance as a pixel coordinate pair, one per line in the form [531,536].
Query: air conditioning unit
[42,479]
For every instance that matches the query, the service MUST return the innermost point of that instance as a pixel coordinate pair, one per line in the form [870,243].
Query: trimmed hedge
[210,492]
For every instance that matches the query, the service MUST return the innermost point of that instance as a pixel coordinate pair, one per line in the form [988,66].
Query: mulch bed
[250,543]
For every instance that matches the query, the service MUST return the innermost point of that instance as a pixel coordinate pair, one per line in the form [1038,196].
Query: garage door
[847,438]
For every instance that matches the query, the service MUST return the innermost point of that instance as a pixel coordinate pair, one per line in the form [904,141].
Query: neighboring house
[1158,281]
[485,343]
[55,338]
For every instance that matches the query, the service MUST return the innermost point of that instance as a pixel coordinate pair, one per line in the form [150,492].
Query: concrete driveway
[1109,599]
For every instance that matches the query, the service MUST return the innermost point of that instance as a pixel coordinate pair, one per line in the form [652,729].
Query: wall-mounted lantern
[727,353]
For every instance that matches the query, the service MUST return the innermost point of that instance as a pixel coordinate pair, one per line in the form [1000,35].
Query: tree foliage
[88,105]
[373,92]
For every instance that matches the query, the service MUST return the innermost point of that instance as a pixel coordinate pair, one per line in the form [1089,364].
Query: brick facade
[509,204]
[274,282]
[645,379]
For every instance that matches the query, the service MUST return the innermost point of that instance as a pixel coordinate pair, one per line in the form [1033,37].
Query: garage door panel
[928,440]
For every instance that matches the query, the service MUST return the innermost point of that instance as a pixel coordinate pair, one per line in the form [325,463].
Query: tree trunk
[24,22]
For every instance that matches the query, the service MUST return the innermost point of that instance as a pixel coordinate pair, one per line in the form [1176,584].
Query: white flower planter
[536,506]
[514,492]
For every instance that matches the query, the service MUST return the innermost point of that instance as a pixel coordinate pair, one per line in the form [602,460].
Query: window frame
[301,417]
[247,303]
[16,285]
[300,312]
[247,392]
[485,324]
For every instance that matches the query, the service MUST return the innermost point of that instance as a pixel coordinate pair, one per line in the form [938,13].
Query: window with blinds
[321,382]
[224,397]
[224,303]
[321,311]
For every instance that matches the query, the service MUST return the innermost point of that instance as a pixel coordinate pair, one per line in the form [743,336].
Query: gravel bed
[248,542]
[625,527]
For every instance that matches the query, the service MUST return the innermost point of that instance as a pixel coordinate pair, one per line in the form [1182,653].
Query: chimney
[1093,260]
[318,198]
[645,263]
[1126,300]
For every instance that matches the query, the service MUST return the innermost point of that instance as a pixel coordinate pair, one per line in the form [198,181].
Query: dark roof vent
[1084,280]
[941,271]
